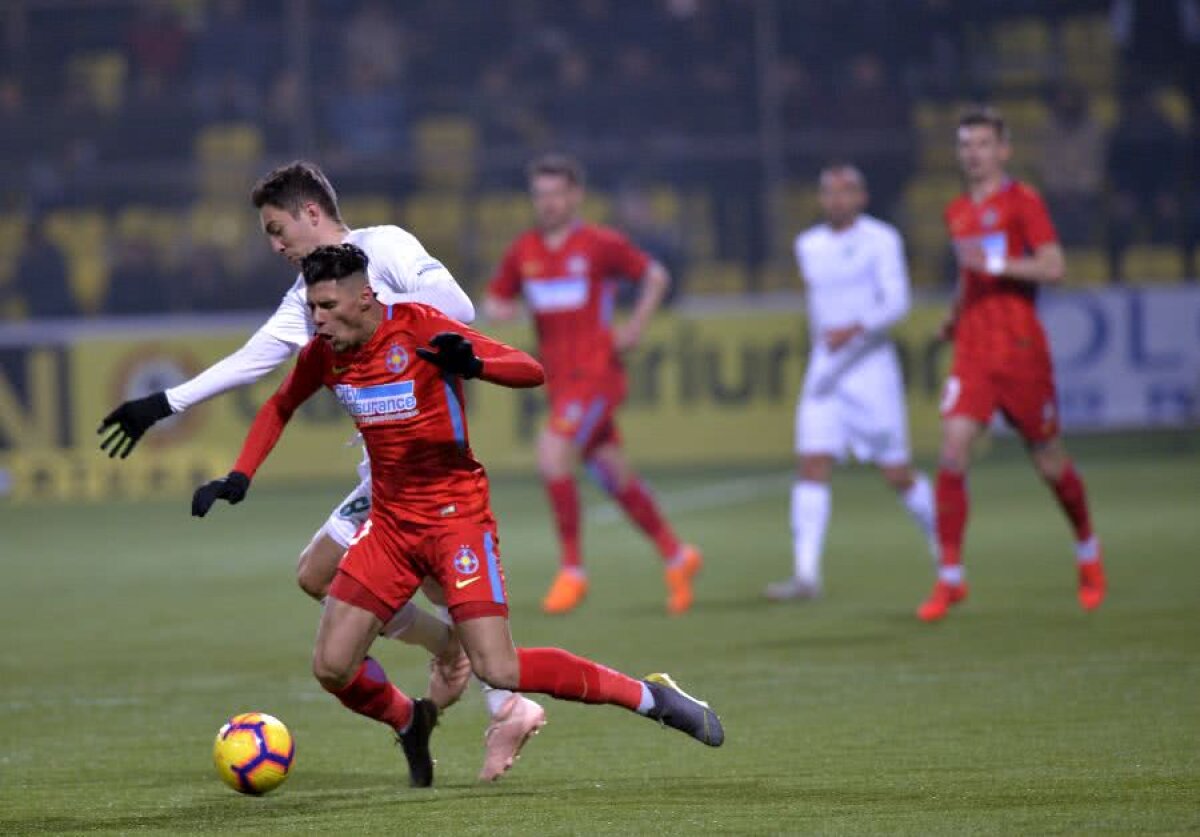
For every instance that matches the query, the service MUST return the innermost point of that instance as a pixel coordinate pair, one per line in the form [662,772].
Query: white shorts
[860,411]
[351,513]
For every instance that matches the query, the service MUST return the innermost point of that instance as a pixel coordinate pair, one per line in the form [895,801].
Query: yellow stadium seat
[597,208]
[1174,104]
[368,210]
[499,217]
[83,237]
[1087,266]
[699,226]
[1148,263]
[1105,109]
[163,229]
[12,240]
[1088,51]
[445,149]
[229,142]
[1023,51]
[439,220]
[103,74]
[666,206]
[717,277]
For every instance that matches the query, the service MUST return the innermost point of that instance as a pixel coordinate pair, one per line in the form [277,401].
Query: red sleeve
[622,257]
[502,364]
[304,379]
[1036,227]
[506,284]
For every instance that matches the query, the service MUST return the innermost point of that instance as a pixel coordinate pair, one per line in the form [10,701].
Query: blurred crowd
[113,105]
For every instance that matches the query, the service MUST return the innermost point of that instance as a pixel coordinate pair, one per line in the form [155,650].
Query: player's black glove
[130,421]
[454,354]
[232,487]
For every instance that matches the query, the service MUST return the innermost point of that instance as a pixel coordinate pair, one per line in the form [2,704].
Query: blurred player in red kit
[1006,247]
[567,271]
[430,508]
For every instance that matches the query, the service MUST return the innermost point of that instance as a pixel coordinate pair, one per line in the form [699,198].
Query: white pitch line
[707,495]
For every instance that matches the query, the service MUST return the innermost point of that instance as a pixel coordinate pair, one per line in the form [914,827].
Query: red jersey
[998,316]
[571,291]
[411,415]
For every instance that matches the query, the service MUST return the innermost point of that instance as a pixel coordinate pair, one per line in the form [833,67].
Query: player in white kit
[852,400]
[299,212]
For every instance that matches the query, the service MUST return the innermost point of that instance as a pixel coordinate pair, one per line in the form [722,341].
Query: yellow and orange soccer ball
[253,753]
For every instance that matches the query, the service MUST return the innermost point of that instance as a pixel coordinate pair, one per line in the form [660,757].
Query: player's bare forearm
[1046,266]
[654,287]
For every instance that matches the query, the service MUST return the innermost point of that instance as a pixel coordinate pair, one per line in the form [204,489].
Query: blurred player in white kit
[852,400]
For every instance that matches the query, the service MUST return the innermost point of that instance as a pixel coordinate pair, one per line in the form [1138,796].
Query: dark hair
[984,115]
[841,165]
[332,262]
[558,165]
[289,187]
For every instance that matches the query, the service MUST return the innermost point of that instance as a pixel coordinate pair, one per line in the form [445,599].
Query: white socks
[412,625]
[918,500]
[810,518]
[494,698]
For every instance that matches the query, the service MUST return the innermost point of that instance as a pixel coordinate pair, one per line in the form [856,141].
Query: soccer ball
[253,753]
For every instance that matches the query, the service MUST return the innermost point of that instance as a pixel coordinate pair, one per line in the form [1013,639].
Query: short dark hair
[290,186]
[333,262]
[984,115]
[558,165]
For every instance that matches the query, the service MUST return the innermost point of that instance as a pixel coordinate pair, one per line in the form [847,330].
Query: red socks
[560,674]
[370,693]
[640,505]
[1073,498]
[564,501]
[951,515]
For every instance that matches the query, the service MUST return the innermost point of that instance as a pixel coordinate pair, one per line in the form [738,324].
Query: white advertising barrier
[1126,357]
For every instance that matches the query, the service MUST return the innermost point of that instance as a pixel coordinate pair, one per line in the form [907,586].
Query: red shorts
[1027,399]
[388,559]
[587,417]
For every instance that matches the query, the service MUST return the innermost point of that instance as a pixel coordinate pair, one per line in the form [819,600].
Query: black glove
[232,487]
[132,420]
[454,354]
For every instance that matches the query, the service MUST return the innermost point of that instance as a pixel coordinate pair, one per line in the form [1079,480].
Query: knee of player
[310,580]
[333,673]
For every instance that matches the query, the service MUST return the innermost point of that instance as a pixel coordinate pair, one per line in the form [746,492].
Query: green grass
[131,631]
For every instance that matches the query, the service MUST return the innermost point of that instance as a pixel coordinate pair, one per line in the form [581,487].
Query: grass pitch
[131,631]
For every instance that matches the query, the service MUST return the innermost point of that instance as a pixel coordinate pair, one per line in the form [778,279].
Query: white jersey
[855,275]
[399,270]
[853,398]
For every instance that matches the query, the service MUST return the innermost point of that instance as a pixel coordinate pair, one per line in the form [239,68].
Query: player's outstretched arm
[127,424]
[264,433]
[473,355]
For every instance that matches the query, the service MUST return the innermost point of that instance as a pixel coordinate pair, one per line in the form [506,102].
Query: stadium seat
[162,228]
[717,277]
[228,154]
[499,217]
[439,220]
[368,210]
[445,152]
[1023,52]
[82,235]
[103,74]
[1150,263]
[1087,266]
[12,237]
[1088,51]
[1174,105]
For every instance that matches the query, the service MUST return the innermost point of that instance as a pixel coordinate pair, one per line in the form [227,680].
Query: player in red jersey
[1006,247]
[430,510]
[567,271]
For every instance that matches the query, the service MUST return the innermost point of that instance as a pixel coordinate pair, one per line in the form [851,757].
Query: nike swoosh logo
[466,582]
[338,370]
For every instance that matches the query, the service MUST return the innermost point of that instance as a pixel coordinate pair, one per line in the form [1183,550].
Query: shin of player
[1006,247]
[566,270]
[853,395]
